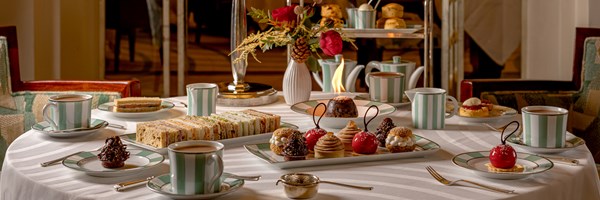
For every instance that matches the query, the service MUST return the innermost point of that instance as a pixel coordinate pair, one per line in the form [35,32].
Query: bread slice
[155,134]
[269,122]
[137,104]
[235,127]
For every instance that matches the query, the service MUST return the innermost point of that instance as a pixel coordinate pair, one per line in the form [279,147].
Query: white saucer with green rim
[44,127]
[475,162]
[88,162]
[308,107]
[162,185]
[108,107]
[405,100]
[571,142]
[499,113]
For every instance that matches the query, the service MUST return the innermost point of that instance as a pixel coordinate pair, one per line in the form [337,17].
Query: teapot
[397,65]
[328,67]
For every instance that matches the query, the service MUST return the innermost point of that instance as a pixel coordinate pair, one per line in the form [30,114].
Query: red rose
[331,43]
[284,14]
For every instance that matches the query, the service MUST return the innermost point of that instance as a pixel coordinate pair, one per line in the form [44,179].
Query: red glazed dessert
[365,142]
[503,158]
[313,135]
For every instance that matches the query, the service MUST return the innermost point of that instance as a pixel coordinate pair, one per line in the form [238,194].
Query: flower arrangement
[290,25]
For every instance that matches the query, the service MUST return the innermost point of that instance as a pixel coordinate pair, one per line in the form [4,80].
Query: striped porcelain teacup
[196,166]
[68,111]
[429,107]
[544,126]
[387,87]
[202,99]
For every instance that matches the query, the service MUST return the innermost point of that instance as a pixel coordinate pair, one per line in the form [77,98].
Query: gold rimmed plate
[476,162]
[88,162]
[498,113]
[571,142]
[109,108]
[308,107]
[162,185]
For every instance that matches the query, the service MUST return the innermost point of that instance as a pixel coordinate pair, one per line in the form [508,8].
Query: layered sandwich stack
[226,125]
[137,104]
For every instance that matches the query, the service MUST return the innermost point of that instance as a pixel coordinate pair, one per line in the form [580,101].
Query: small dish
[424,147]
[405,100]
[88,162]
[162,185]
[571,142]
[308,107]
[130,138]
[108,107]
[497,114]
[475,162]
[44,127]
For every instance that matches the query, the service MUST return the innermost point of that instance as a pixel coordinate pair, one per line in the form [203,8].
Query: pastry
[400,139]
[332,15]
[161,133]
[382,131]
[341,106]
[137,104]
[347,134]
[515,168]
[295,148]
[392,10]
[279,139]
[473,107]
[394,23]
[329,146]
[114,153]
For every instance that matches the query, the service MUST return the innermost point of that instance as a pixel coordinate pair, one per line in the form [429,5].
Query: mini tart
[329,146]
[347,134]
[516,168]
[400,139]
[279,139]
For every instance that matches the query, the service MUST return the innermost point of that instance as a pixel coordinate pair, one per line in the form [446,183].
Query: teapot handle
[412,82]
[351,79]
[317,79]
[369,68]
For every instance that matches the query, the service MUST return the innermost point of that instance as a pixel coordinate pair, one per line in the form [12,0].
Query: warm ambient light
[336,81]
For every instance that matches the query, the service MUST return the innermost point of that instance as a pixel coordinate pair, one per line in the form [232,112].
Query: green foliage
[313,64]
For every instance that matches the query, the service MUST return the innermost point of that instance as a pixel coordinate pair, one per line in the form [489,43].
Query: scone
[400,139]
[516,168]
[392,10]
[347,134]
[331,10]
[329,146]
[473,107]
[279,138]
[394,23]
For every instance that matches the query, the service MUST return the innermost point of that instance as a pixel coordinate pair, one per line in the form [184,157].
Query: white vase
[296,83]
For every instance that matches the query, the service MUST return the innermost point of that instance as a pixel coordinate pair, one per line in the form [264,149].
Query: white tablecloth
[23,178]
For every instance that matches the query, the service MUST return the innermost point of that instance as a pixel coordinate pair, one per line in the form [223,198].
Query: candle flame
[336,81]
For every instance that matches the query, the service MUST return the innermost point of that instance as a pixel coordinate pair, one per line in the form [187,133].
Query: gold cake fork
[445,181]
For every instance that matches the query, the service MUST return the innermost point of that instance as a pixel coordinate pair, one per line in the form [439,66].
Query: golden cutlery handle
[490,187]
[121,186]
[347,185]
[563,160]
[46,164]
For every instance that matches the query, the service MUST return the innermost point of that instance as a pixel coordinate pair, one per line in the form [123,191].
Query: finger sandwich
[137,104]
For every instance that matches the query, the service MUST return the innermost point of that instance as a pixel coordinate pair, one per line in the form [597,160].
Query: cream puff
[347,134]
[329,146]
[473,107]
[279,139]
[400,139]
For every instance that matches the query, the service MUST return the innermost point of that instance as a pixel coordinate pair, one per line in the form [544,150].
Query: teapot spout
[351,79]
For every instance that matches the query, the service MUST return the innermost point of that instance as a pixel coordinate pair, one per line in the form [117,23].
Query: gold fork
[445,181]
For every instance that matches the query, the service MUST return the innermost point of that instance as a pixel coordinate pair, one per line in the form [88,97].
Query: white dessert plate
[44,127]
[405,100]
[108,107]
[162,185]
[475,162]
[263,151]
[130,138]
[571,142]
[88,162]
[497,114]
[308,107]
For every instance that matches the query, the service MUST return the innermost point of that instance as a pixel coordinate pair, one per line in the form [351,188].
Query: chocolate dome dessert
[341,106]
[113,153]
[295,148]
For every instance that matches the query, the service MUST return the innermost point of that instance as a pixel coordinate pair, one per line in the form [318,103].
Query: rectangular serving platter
[232,142]
[263,151]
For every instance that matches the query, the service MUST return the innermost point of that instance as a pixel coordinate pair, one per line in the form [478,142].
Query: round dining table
[22,176]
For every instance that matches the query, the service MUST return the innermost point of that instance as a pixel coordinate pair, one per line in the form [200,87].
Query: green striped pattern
[428,110]
[202,98]
[307,106]
[395,65]
[68,114]
[547,131]
[162,184]
[474,161]
[76,161]
[387,89]
[196,173]
[328,67]
[328,70]
[365,19]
